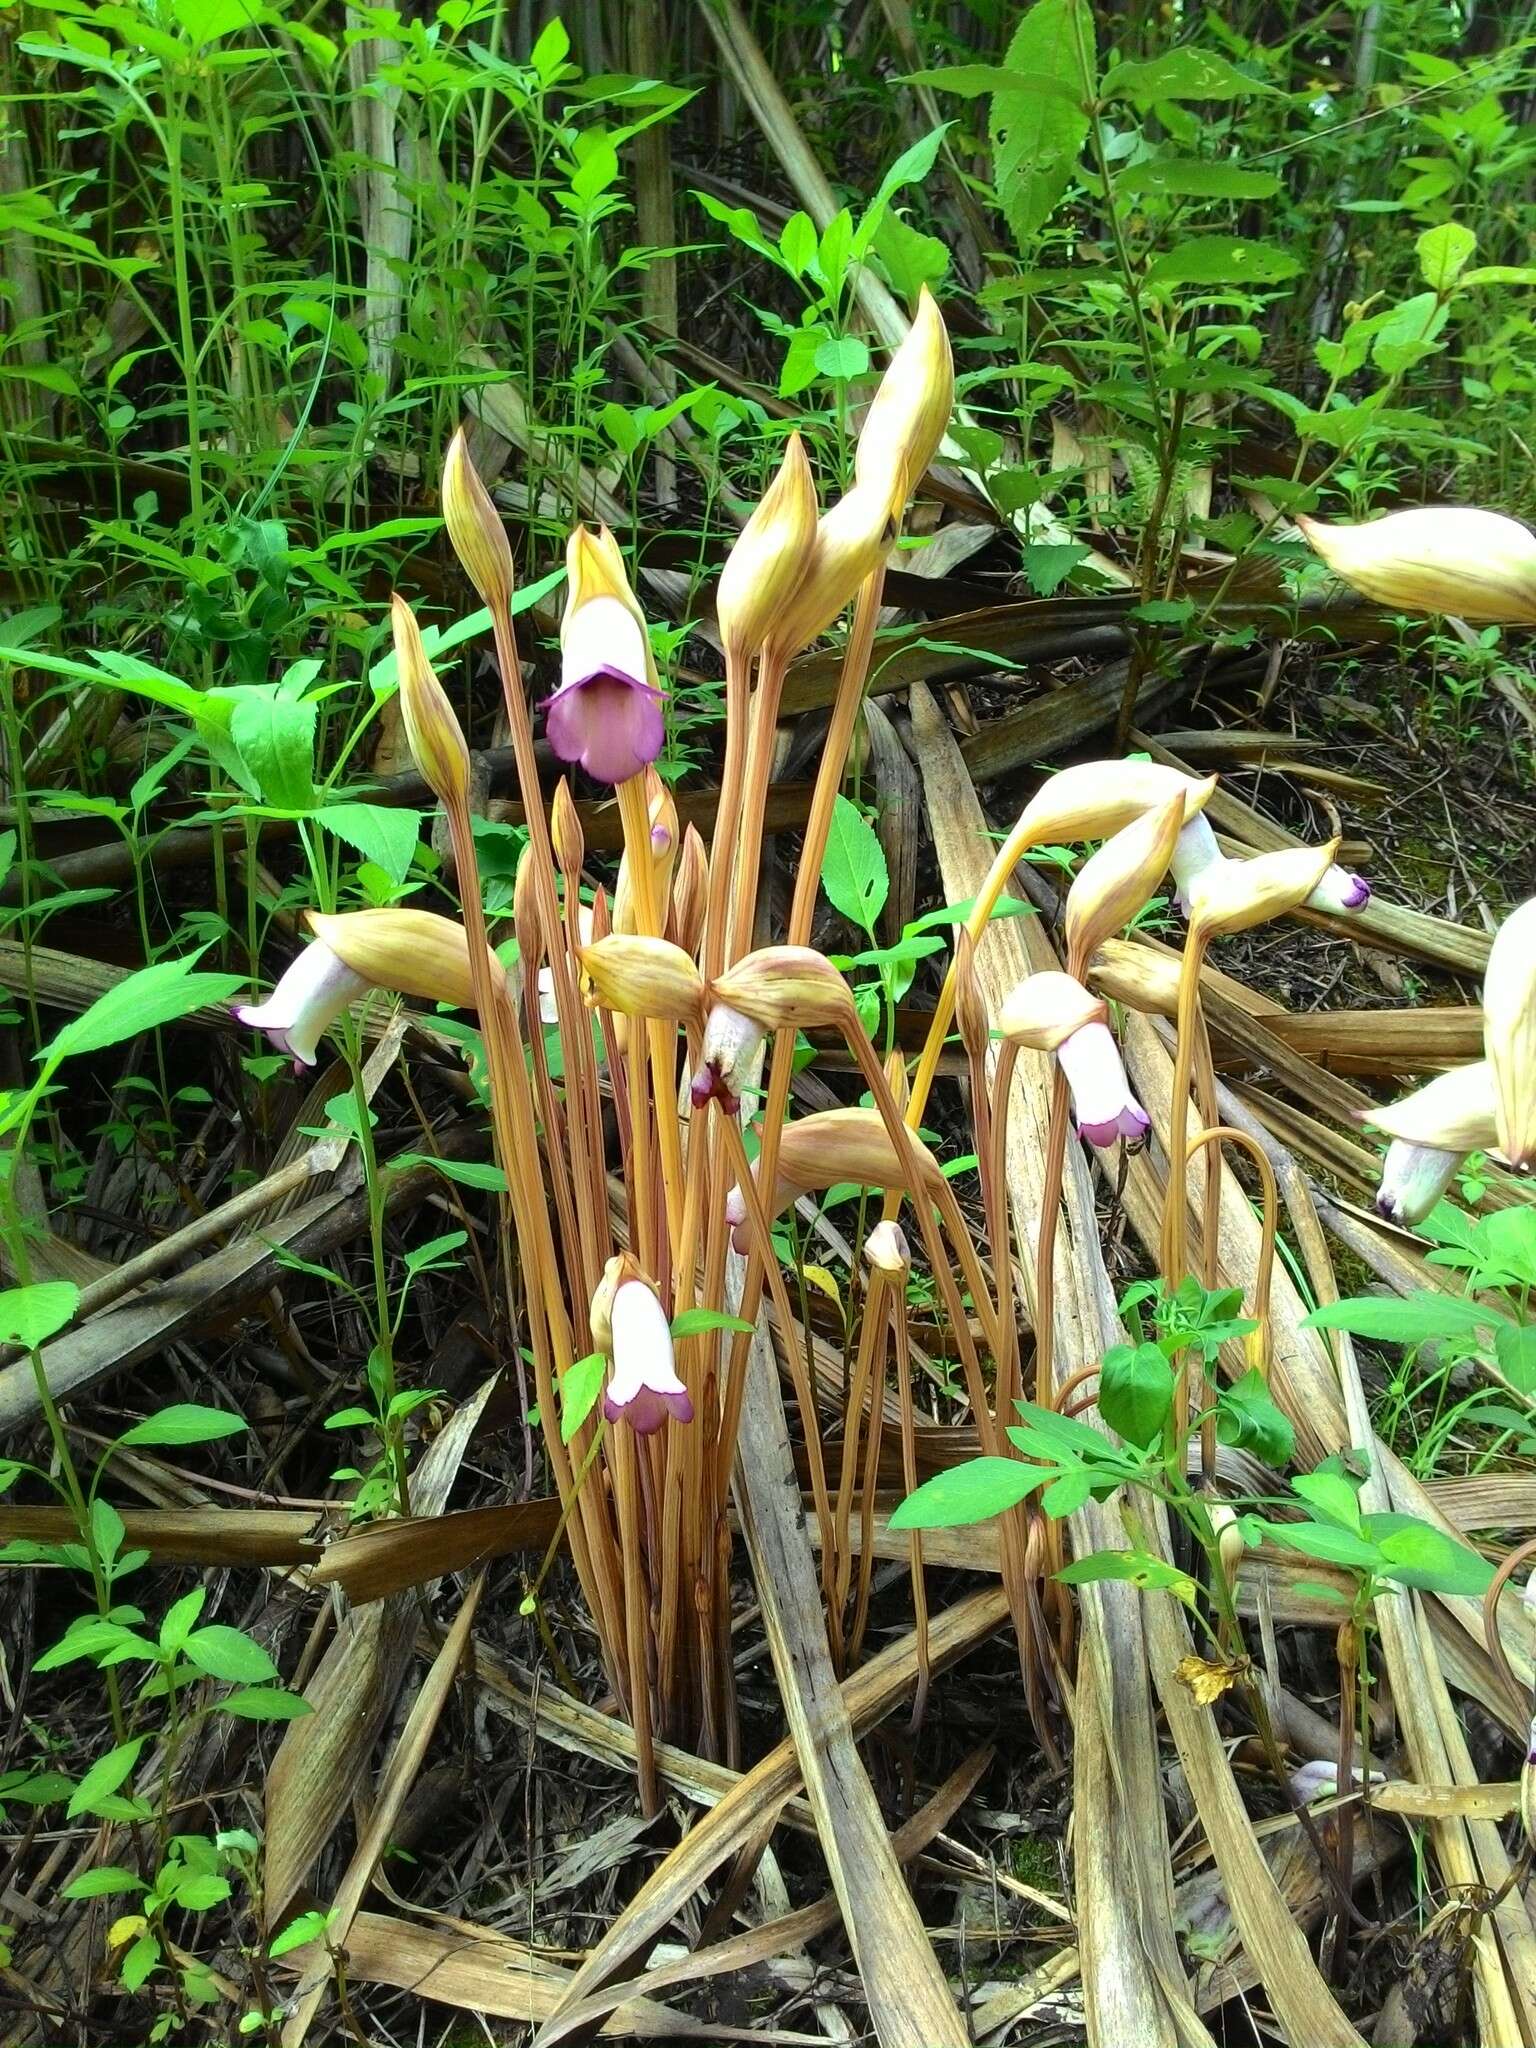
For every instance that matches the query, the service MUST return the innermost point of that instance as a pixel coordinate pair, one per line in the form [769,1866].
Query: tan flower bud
[908,414]
[835,1145]
[1137,976]
[896,1080]
[1097,798]
[1235,895]
[475,527]
[641,977]
[415,952]
[661,808]
[1046,1009]
[886,1249]
[770,555]
[1455,1112]
[435,739]
[690,891]
[1117,881]
[1476,565]
[786,987]
[1509,1032]
[565,830]
[852,539]
[621,1267]
[1229,1536]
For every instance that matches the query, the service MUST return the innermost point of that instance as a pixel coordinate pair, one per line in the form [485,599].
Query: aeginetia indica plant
[675,1036]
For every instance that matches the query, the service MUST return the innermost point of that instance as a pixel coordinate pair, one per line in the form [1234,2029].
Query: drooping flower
[1197,858]
[1473,564]
[1509,1033]
[606,714]
[836,1145]
[726,1058]
[1413,1178]
[1052,1012]
[311,995]
[629,1323]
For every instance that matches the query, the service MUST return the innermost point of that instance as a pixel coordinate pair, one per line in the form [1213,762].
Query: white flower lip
[1102,1102]
[1413,1178]
[643,1388]
[311,995]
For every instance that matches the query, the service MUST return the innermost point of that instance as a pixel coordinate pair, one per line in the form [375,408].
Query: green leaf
[200,1889]
[695,1322]
[180,1617]
[1223,260]
[1194,178]
[1322,1540]
[842,357]
[580,1386]
[1182,74]
[307,1927]
[1134,1568]
[853,871]
[435,1251]
[105,1776]
[230,1654]
[972,1492]
[143,1002]
[970,81]
[30,1315]
[1514,1346]
[378,832]
[1038,122]
[107,1530]
[139,1960]
[275,738]
[1331,1494]
[1414,1319]
[1444,253]
[1136,1391]
[107,1882]
[185,1423]
[910,168]
[469,1173]
[264,1703]
[1248,1420]
[1418,1554]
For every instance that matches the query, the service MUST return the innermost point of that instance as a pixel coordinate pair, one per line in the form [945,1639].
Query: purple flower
[1102,1102]
[1340,891]
[306,1002]
[606,714]
[643,1388]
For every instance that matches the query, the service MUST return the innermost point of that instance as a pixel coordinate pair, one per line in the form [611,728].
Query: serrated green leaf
[1038,122]
[1223,260]
[228,1653]
[1186,73]
[580,1385]
[31,1315]
[379,832]
[143,1002]
[1194,178]
[853,872]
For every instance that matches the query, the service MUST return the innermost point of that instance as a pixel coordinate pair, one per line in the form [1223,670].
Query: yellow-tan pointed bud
[786,988]
[661,810]
[414,952]
[565,830]
[475,527]
[1097,798]
[1229,1535]
[1047,1009]
[1115,883]
[690,891]
[970,1010]
[1455,1112]
[641,977]
[770,555]
[896,1080]
[1509,1032]
[852,539]
[909,412]
[436,741]
[887,1250]
[1234,895]
[621,1267]
[1473,564]
[1137,976]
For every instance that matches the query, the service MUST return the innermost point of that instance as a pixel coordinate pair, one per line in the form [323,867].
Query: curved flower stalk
[1476,565]
[1197,857]
[606,714]
[1432,1132]
[1051,1012]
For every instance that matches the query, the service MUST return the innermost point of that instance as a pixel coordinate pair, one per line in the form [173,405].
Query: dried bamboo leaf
[387,1557]
[1132,1975]
[870,1693]
[324,1755]
[201,1535]
[399,1775]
